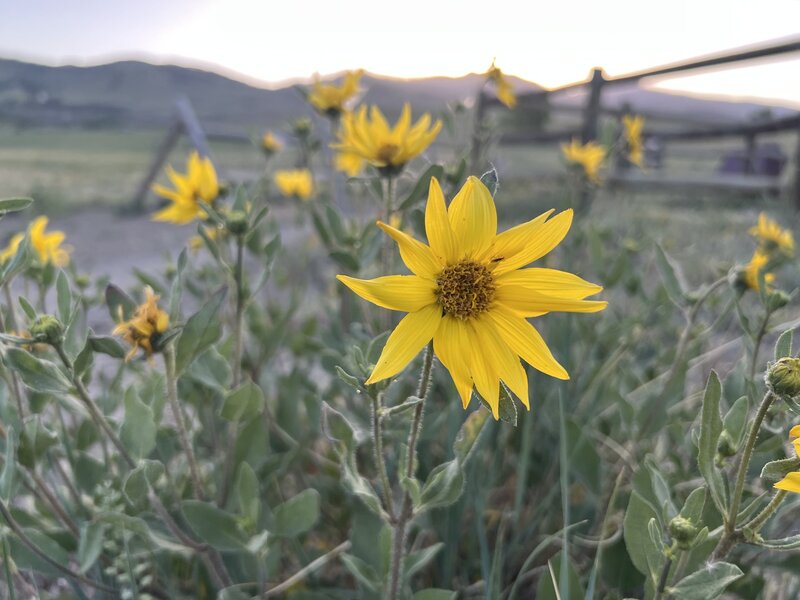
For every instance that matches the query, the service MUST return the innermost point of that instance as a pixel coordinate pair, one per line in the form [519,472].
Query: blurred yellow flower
[752,270]
[196,242]
[349,163]
[144,328]
[388,149]
[772,236]
[633,127]
[47,245]
[330,99]
[199,183]
[297,183]
[791,483]
[590,156]
[269,143]
[469,294]
[503,89]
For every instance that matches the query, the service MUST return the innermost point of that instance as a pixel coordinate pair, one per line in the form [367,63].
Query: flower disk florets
[465,289]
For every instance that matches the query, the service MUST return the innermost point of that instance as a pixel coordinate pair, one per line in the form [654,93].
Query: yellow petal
[473,218]
[795,431]
[790,483]
[529,303]
[407,293]
[550,282]
[409,337]
[504,360]
[523,339]
[449,344]
[526,243]
[483,371]
[437,225]
[417,256]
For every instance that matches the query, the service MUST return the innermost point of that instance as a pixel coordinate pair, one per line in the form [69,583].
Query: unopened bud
[683,531]
[47,329]
[725,445]
[236,222]
[783,377]
[777,299]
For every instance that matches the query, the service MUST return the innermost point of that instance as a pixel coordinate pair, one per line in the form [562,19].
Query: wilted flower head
[389,149]
[772,237]
[471,296]
[590,156]
[199,183]
[503,89]
[145,328]
[297,183]
[330,99]
[47,245]
[633,127]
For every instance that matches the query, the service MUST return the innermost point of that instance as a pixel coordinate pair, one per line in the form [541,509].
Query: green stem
[757,522]
[762,330]
[177,413]
[662,581]
[406,511]
[380,463]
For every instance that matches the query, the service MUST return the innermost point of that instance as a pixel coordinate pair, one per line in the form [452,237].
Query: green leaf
[434,594]
[422,185]
[443,487]
[120,306]
[736,419]
[363,572]
[247,490]
[63,297]
[336,227]
[776,470]
[19,262]
[783,347]
[507,407]
[708,583]
[201,330]
[693,507]
[27,308]
[671,276]
[637,536]
[416,561]
[710,430]
[35,440]
[345,260]
[491,180]
[336,426]
[90,545]
[297,515]
[546,590]
[468,435]
[139,429]
[139,480]
[25,559]
[107,345]
[8,477]
[213,525]
[243,403]
[14,204]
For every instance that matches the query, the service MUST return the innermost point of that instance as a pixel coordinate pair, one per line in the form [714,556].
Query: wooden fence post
[175,130]
[750,153]
[478,133]
[592,110]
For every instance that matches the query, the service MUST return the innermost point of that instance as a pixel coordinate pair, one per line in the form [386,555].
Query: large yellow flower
[330,99]
[752,270]
[470,295]
[633,127]
[388,149]
[147,324]
[772,236]
[47,245]
[297,183]
[791,483]
[590,156]
[503,89]
[199,183]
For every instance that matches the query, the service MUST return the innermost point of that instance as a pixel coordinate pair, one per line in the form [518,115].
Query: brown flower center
[387,152]
[465,289]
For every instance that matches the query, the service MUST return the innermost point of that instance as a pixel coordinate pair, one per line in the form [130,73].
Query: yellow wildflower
[13,245]
[199,183]
[752,270]
[330,99]
[388,149]
[633,127]
[269,143]
[503,89]
[469,293]
[145,327]
[791,482]
[196,242]
[296,183]
[590,156]
[772,236]
[47,245]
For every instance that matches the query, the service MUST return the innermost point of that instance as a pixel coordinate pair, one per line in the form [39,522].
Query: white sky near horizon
[551,43]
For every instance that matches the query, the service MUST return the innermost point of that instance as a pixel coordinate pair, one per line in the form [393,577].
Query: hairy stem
[756,523]
[380,462]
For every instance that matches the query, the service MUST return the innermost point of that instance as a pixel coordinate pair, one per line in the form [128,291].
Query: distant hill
[139,94]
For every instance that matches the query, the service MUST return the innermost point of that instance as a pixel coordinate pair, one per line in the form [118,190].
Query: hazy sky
[552,43]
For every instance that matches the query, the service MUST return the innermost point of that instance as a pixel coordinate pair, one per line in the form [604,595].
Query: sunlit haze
[550,43]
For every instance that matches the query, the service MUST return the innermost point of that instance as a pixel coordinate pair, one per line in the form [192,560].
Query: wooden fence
[593,110]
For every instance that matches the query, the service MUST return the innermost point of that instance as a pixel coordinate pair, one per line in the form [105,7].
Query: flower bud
[683,531]
[783,377]
[47,329]
[725,445]
[777,299]
[236,222]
